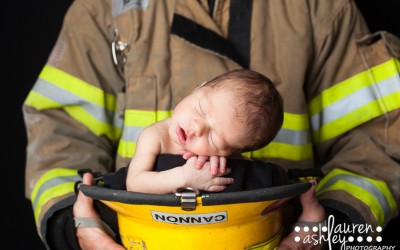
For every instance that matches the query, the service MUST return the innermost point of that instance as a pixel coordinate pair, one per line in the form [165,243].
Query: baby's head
[258,105]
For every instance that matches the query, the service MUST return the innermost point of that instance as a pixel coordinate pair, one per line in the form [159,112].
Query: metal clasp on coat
[117,50]
[188,197]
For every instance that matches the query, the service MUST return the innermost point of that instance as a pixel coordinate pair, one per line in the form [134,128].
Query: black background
[29,31]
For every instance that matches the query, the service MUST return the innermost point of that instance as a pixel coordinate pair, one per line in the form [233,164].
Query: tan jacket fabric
[303,46]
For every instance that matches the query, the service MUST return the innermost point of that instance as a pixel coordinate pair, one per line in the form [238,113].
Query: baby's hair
[258,104]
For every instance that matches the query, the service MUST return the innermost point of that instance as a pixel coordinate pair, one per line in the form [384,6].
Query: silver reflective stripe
[66,98]
[130,133]
[365,184]
[354,101]
[53,183]
[120,6]
[294,137]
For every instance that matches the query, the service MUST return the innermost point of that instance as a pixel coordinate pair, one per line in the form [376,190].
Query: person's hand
[203,178]
[312,212]
[218,163]
[93,238]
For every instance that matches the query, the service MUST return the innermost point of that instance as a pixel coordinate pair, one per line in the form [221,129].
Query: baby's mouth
[181,135]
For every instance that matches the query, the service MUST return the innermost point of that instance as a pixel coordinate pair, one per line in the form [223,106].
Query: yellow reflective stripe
[97,127]
[57,191]
[374,193]
[78,87]
[143,118]
[295,121]
[355,118]
[82,101]
[360,194]
[135,121]
[348,86]
[377,91]
[78,113]
[126,149]
[41,195]
[286,145]
[284,151]
[40,102]
[57,172]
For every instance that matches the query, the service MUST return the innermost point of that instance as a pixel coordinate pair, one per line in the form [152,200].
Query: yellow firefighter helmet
[188,220]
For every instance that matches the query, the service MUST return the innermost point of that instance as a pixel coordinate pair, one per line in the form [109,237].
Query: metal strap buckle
[188,197]
[117,50]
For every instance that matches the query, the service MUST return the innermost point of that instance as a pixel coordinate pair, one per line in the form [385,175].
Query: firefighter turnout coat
[119,66]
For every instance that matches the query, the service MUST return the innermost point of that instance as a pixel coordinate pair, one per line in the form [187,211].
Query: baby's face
[205,123]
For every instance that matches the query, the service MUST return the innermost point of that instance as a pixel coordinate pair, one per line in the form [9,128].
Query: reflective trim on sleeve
[356,100]
[135,121]
[85,103]
[55,183]
[373,193]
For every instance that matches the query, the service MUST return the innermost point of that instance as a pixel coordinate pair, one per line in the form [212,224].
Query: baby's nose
[199,128]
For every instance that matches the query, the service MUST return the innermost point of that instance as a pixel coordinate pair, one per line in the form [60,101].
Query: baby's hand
[203,178]
[218,163]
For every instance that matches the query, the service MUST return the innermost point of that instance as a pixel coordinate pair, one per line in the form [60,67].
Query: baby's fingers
[201,159]
[219,184]
[218,164]
[226,171]
[222,165]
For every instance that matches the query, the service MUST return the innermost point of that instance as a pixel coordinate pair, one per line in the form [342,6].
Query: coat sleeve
[70,113]
[355,118]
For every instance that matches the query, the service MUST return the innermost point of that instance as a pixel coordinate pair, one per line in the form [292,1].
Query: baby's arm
[142,178]
[140,174]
